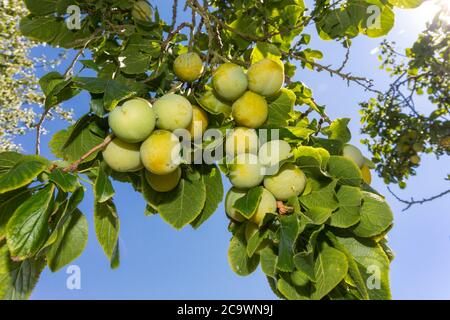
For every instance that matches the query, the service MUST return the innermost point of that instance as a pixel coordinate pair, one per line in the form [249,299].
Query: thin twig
[172,35]
[174,14]
[410,203]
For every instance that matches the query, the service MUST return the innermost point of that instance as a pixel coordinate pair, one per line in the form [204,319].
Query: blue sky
[158,262]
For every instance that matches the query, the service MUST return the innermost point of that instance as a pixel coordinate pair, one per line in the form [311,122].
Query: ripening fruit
[366,175]
[268,204]
[245,171]
[188,66]
[272,152]
[163,183]
[265,77]
[290,181]
[414,159]
[142,11]
[132,122]
[353,153]
[250,110]
[232,196]
[160,153]
[122,156]
[241,140]
[417,147]
[173,112]
[230,81]
[213,104]
[198,124]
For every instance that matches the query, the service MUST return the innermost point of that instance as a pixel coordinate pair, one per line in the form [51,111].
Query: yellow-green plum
[250,110]
[245,171]
[142,11]
[268,204]
[199,123]
[173,112]
[188,66]
[265,77]
[163,183]
[160,153]
[122,156]
[230,81]
[273,152]
[241,140]
[353,153]
[213,104]
[232,196]
[132,122]
[290,181]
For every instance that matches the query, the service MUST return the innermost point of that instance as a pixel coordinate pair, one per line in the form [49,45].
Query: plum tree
[290,181]
[122,156]
[353,153]
[163,183]
[142,11]
[160,153]
[245,171]
[250,110]
[188,66]
[241,140]
[230,81]
[199,123]
[273,152]
[173,112]
[265,77]
[232,196]
[267,204]
[132,122]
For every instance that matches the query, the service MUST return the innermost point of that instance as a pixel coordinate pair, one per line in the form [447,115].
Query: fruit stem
[283,209]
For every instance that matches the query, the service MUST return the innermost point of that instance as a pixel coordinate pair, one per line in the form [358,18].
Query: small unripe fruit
[163,183]
[366,175]
[417,147]
[273,152]
[289,182]
[142,11]
[265,77]
[268,204]
[122,156]
[414,159]
[173,112]
[188,66]
[198,124]
[230,81]
[353,153]
[232,196]
[241,140]
[160,153]
[134,121]
[250,110]
[245,171]
[213,104]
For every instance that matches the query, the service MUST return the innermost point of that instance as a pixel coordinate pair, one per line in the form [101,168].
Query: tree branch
[410,203]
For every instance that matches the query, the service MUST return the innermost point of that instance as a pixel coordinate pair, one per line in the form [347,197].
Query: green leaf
[134,62]
[349,205]
[115,92]
[345,170]
[238,259]
[71,241]
[18,279]
[378,23]
[255,241]
[406,4]
[376,216]
[67,182]
[330,268]
[22,173]
[265,50]
[214,194]
[291,291]
[8,159]
[320,203]
[248,204]
[115,259]
[268,261]
[338,130]
[311,160]
[182,205]
[304,262]
[41,7]
[373,265]
[289,230]
[103,189]
[27,229]
[8,207]
[107,226]
[42,29]
[280,108]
